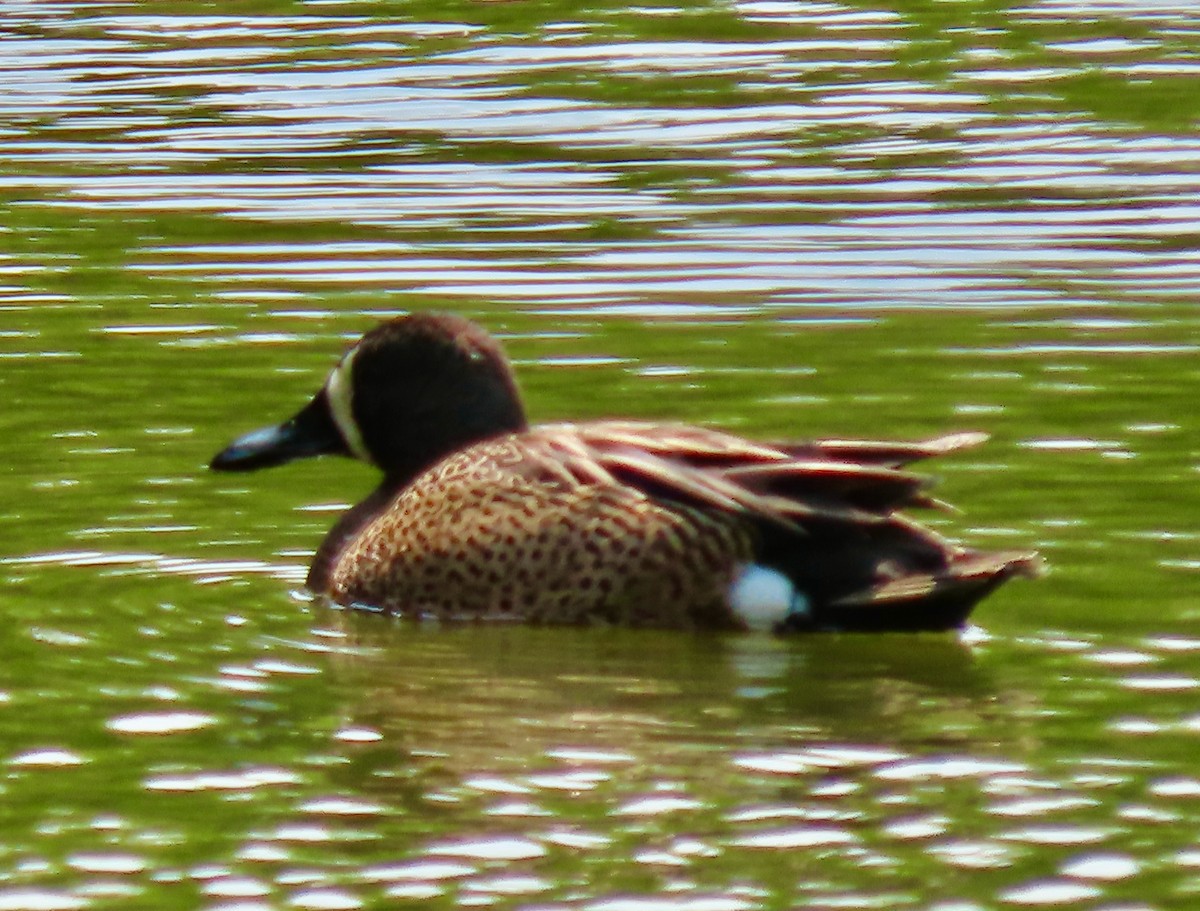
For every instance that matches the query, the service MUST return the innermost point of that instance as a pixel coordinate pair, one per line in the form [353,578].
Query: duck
[482,516]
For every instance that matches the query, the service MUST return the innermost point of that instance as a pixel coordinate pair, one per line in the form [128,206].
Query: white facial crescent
[340,391]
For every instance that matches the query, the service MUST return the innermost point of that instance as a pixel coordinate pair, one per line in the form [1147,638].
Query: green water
[785,219]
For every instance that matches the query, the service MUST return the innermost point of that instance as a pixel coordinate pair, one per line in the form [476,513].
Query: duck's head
[410,392]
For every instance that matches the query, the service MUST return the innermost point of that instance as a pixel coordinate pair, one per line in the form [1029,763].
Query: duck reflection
[512,696]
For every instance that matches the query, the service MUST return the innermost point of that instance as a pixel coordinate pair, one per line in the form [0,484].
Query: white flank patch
[340,391]
[764,597]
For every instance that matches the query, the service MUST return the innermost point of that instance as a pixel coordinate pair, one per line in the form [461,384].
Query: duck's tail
[938,600]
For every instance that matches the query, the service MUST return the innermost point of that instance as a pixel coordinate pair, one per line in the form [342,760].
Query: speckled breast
[489,535]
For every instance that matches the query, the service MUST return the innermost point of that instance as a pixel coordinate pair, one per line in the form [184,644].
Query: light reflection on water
[596,757]
[823,174]
[795,218]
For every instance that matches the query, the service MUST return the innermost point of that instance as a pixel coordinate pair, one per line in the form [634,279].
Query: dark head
[412,391]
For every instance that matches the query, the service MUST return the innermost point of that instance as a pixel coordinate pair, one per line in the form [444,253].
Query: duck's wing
[869,472]
[887,453]
[790,486]
[829,514]
[702,445]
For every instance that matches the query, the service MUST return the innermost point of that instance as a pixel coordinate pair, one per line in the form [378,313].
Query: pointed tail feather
[965,573]
[887,453]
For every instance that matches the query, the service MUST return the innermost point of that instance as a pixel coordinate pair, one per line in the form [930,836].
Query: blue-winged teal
[482,516]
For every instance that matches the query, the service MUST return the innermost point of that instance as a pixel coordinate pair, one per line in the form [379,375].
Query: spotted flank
[507,529]
[480,516]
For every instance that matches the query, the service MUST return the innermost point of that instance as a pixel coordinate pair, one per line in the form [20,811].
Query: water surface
[786,219]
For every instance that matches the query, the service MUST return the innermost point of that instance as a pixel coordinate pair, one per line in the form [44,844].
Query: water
[786,219]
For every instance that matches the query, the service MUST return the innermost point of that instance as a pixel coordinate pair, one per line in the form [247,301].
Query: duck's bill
[312,432]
